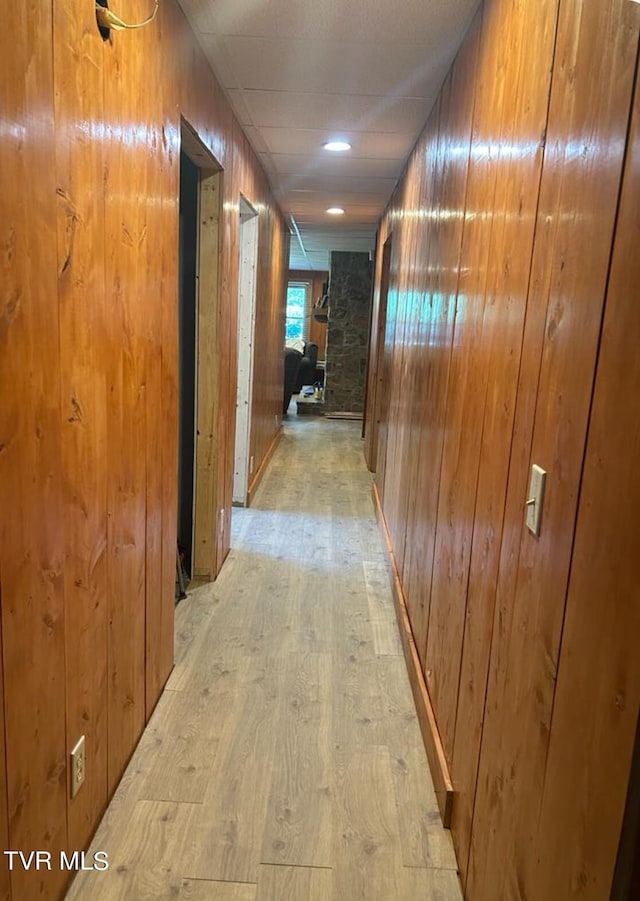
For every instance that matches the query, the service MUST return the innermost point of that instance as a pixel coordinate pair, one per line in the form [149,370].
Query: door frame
[206,522]
[247,288]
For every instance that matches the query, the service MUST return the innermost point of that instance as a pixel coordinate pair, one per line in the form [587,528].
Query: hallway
[284,760]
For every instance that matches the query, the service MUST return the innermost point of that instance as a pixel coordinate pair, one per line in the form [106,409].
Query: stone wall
[348,331]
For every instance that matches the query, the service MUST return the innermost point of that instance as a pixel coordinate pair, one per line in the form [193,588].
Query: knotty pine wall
[89,155]
[502,231]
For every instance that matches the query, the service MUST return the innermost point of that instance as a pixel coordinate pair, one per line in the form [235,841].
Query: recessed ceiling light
[335,210]
[337,146]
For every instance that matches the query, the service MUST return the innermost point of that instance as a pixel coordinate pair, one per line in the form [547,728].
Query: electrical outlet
[78,767]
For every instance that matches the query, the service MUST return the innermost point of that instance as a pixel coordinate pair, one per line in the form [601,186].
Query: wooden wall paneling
[454,146]
[32,528]
[598,690]
[376,352]
[88,420]
[129,126]
[159,603]
[440,776]
[502,332]
[589,107]
[5,882]
[84,362]
[167,287]
[422,236]
[369,422]
[398,362]
[446,601]
[207,444]
[168,323]
[429,223]
[403,382]
[385,233]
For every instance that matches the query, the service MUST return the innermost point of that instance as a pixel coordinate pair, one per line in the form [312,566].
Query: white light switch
[535,499]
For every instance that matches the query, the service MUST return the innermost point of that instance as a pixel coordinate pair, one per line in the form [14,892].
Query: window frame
[305,319]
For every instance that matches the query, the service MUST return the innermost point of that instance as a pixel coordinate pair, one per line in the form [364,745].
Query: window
[297,310]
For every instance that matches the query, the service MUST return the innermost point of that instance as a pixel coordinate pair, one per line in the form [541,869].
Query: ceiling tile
[298,73]
[240,107]
[338,184]
[337,114]
[289,164]
[402,70]
[365,145]
[413,21]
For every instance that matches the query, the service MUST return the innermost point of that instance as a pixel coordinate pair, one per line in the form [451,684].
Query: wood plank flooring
[284,760]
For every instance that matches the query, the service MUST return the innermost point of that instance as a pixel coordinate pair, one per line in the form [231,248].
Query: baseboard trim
[253,487]
[426,717]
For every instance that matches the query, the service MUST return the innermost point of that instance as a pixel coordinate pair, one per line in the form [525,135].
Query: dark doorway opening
[187,318]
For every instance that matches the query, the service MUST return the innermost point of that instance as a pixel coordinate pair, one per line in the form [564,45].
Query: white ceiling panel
[335,114]
[338,184]
[298,73]
[288,164]
[238,100]
[400,70]
[411,21]
[365,145]
[347,200]
[256,137]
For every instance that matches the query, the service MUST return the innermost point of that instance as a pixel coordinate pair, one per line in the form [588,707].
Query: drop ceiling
[300,73]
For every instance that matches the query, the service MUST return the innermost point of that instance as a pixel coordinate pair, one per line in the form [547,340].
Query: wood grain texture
[223,834]
[294,884]
[515,205]
[591,105]
[88,430]
[366,859]
[298,819]
[158,629]
[126,244]
[426,717]
[146,852]
[375,363]
[594,719]
[258,476]
[32,526]
[5,883]
[216,891]
[437,334]
[381,617]
[295,748]
[207,444]
[84,355]
[497,279]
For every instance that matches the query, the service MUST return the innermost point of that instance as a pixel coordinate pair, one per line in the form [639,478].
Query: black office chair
[292,361]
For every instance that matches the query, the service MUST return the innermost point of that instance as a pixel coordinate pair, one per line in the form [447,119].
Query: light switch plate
[78,767]
[535,499]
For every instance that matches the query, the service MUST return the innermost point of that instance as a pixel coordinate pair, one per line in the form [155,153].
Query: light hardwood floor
[284,760]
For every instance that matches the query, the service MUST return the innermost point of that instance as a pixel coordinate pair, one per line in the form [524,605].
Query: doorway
[187,315]
[243,464]
[198,304]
